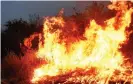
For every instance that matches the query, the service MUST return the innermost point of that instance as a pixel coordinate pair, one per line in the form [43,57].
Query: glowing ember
[96,54]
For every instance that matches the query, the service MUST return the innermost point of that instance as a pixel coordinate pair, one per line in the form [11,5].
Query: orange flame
[99,49]
[28,41]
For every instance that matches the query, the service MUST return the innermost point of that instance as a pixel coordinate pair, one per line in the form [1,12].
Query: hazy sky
[21,9]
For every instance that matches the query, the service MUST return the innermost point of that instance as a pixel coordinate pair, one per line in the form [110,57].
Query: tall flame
[99,48]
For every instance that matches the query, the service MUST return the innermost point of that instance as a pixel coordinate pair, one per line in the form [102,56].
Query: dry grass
[17,70]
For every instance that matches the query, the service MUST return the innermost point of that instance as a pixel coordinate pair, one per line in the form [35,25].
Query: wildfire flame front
[96,52]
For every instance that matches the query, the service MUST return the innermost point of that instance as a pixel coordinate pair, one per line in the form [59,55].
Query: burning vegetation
[89,54]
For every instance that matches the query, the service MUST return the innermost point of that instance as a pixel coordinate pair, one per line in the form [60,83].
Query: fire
[98,48]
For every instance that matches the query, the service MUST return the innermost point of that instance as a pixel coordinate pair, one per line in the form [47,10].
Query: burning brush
[93,57]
